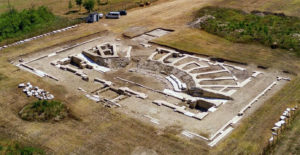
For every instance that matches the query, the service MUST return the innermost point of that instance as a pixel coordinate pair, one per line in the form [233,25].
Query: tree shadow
[71,12]
[103,3]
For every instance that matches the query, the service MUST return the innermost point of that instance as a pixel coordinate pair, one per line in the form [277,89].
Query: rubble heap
[30,90]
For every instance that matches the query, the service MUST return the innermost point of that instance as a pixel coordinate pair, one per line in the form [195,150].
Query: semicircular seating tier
[215,77]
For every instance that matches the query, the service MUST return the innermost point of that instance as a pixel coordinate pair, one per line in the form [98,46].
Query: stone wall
[198,92]
[116,62]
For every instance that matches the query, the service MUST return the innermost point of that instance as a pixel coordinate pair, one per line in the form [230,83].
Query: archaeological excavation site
[158,85]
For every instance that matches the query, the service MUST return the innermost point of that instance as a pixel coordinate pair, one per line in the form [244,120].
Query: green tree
[70,5]
[89,5]
[79,3]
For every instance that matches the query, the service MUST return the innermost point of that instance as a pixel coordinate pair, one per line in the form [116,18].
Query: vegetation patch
[2,77]
[12,148]
[16,25]
[274,30]
[44,110]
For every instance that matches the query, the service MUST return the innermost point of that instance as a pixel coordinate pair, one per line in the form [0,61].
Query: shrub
[14,23]
[89,5]
[14,148]
[44,110]
[2,77]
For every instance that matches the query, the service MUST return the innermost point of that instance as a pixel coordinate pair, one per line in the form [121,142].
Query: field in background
[60,7]
[290,7]
[64,16]
[272,30]
[18,25]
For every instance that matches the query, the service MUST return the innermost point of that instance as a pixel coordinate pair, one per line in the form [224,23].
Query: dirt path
[174,14]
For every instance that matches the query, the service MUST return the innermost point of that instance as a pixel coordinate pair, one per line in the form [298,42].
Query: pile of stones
[30,90]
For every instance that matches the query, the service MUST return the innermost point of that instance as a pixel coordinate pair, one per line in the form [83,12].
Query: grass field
[253,134]
[290,7]
[276,31]
[290,140]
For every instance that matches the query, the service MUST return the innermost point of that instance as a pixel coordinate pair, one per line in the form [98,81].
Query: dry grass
[200,42]
[100,130]
[290,140]
[253,134]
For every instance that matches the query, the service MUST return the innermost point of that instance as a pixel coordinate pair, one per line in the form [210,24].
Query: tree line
[89,5]
[13,23]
